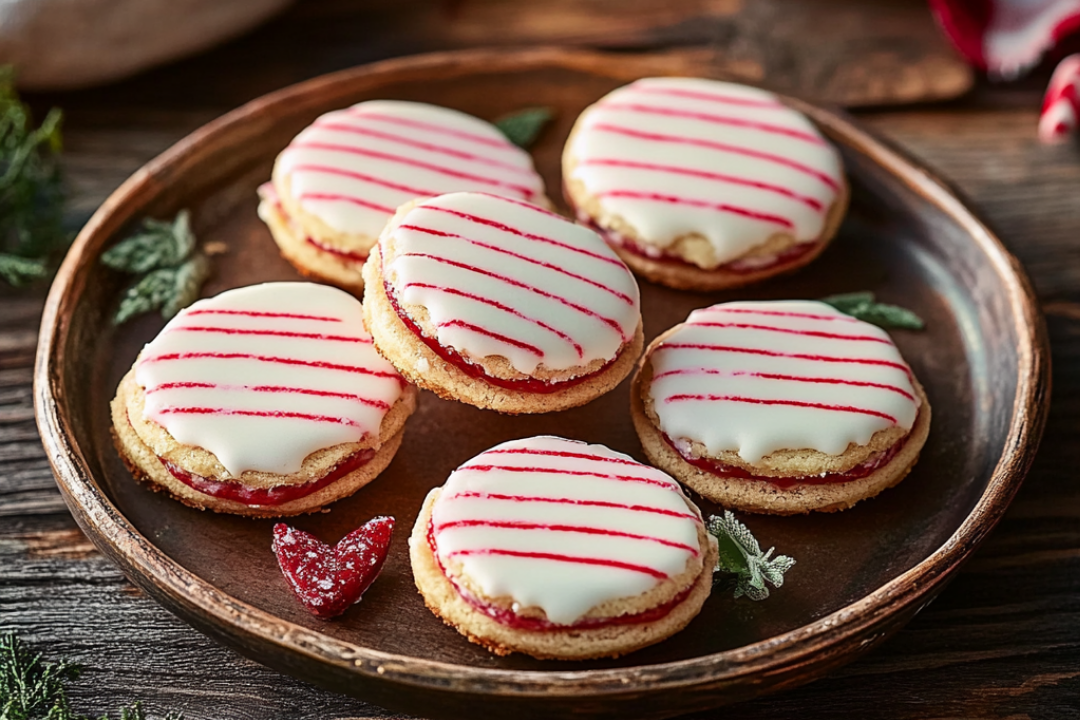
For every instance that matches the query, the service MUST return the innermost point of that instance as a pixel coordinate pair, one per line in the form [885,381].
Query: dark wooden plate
[861,574]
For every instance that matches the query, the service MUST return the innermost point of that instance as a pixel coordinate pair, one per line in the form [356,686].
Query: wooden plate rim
[150,568]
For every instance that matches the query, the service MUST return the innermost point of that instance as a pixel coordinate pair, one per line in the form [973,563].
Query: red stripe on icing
[329,170]
[524,286]
[400,159]
[504,308]
[439,233]
[571,501]
[790,378]
[269,389]
[716,119]
[560,471]
[274,333]
[711,97]
[259,313]
[477,371]
[792,403]
[276,414]
[562,453]
[582,529]
[723,147]
[530,236]
[602,562]
[779,313]
[497,336]
[798,356]
[719,177]
[351,255]
[440,149]
[793,331]
[719,207]
[270,359]
[420,124]
[341,197]
[522,203]
[506,616]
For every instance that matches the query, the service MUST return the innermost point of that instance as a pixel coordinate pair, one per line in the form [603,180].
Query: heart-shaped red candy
[328,580]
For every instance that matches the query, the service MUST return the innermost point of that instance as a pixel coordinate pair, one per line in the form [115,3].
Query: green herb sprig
[33,688]
[524,126]
[31,191]
[170,268]
[740,555]
[862,306]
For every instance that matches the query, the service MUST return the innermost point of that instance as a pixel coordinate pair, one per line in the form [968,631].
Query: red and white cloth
[1061,106]
[1006,38]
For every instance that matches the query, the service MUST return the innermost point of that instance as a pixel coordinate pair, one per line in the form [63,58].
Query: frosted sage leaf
[172,270]
[741,556]
[862,306]
[524,126]
[186,285]
[150,292]
[158,245]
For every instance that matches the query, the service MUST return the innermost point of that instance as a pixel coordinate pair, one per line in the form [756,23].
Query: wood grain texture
[1003,641]
[941,261]
[842,52]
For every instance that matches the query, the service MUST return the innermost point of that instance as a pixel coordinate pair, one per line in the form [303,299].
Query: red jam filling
[351,256]
[530,385]
[509,618]
[737,266]
[863,469]
[237,492]
[267,192]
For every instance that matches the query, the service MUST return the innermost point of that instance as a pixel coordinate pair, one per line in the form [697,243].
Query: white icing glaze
[353,168]
[555,497]
[500,277]
[263,376]
[758,377]
[679,156]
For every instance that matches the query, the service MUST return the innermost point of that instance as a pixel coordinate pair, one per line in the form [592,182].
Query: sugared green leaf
[741,556]
[150,292]
[158,245]
[862,306]
[524,126]
[172,270]
[186,285]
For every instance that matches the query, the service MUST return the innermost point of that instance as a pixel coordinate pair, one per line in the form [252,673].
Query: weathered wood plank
[838,51]
[1029,192]
[1002,641]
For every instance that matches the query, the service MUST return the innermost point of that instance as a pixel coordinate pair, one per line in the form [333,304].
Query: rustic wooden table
[1003,641]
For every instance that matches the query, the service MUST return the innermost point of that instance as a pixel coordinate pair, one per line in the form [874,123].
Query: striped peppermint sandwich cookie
[702,184]
[779,407]
[340,180]
[501,304]
[267,400]
[561,550]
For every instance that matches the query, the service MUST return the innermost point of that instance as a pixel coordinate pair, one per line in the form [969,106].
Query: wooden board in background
[844,52]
